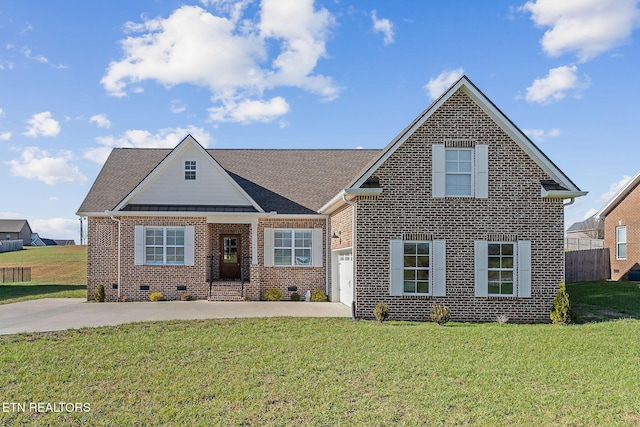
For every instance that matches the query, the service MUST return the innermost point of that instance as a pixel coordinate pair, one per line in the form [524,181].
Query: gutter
[353,252]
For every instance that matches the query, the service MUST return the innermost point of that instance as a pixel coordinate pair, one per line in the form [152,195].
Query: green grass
[598,301]
[327,372]
[56,272]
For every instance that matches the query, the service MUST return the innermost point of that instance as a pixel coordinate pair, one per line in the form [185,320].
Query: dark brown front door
[231,256]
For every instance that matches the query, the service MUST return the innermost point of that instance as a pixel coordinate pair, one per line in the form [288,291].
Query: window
[458,172]
[190,170]
[292,247]
[621,242]
[164,245]
[416,267]
[501,268]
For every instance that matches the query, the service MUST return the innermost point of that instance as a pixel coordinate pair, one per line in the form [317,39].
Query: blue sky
[78,78]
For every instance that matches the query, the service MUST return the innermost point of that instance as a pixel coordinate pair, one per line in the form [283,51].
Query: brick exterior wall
[406,206]
[102,263]
[625,213]
[341,223]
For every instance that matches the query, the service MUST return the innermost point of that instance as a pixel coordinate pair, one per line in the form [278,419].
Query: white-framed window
[458,172]
[502,269]
[164,245]
[621,242]
[189,170]
[292,247]
[417,267]
[155,245]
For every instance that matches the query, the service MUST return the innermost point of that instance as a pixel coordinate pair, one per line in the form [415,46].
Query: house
[15,229]
[622,231]
[448,213]
[585,235]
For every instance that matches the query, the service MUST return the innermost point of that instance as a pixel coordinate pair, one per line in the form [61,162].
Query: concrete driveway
[54,314]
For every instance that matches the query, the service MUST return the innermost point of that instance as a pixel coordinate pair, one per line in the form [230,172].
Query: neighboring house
[587,234]
[15,229]
[448,213]
[621,217]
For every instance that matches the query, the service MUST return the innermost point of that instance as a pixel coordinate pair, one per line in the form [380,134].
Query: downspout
[573,199]
[118,221]
[353,252]
[327,245]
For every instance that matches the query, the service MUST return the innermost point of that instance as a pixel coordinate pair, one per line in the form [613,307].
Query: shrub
[440,314]
[502,319]
[381,312]
[99,296]
[295,296]
[318,296]
[156,296]
[124,299]
[561,313]
[186,296]
[273,294]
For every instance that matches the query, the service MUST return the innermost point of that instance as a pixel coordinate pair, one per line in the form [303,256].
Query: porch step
[226,291]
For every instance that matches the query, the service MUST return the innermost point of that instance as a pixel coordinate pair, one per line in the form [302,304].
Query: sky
[78,78]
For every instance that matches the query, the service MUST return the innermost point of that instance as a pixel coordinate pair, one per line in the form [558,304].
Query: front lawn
[604,300]
[327,372]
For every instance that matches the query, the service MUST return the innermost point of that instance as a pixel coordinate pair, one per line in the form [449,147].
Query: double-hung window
[502,269]
[418,268]
[190,170]
[292,247]
[621,242]
[155,245]
[458,172]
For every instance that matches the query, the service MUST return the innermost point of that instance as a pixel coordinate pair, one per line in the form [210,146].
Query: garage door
[345,271]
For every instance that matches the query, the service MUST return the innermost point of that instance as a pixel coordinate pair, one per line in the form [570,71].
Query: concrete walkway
[54,314]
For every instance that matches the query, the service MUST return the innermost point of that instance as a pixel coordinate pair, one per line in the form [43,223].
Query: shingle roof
[286,181]
[12,225]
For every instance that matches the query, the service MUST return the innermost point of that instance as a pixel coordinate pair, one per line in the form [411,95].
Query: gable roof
[13,225]
[565,189]
[286,181]
[619,196]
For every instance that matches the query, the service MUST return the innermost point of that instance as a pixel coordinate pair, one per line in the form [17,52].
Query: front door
[231,256]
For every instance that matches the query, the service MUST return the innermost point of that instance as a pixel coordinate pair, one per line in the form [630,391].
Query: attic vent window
[190,170]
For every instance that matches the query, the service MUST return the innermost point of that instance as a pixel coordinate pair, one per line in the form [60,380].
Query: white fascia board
[562,194]
[350,193]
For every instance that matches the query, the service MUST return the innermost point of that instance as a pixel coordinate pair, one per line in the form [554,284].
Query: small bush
[99,296]
[295,296]
[381,312]
[273,294]
[318,296]
[186,296]
[440,314]
[156,296]
[561,313]
[502,319]
[123,299]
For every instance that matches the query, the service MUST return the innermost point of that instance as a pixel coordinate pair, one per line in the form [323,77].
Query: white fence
[10,245]
[575,244]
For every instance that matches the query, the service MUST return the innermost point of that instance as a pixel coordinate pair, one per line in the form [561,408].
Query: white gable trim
[158,170]
[492,111]
[619,196]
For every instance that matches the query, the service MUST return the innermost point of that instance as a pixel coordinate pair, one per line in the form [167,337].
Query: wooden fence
[587,265]
[10,245]
[15,274]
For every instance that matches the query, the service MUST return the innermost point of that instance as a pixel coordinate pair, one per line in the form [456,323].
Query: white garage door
[345,271]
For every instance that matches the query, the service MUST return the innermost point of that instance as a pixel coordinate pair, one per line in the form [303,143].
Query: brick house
[622,231]
[449,212]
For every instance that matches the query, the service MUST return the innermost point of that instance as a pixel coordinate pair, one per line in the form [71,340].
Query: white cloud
[38,58]
[250,110]
[442,82]
[228,55]
[42,124]
[586,27]
[1,112]
[555,85]
[164,138]
[614,188]
[589,213]
[5,136]
[177,106]
[101,120]
[50,169]
[383,26]
[56,228]
[540,135]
